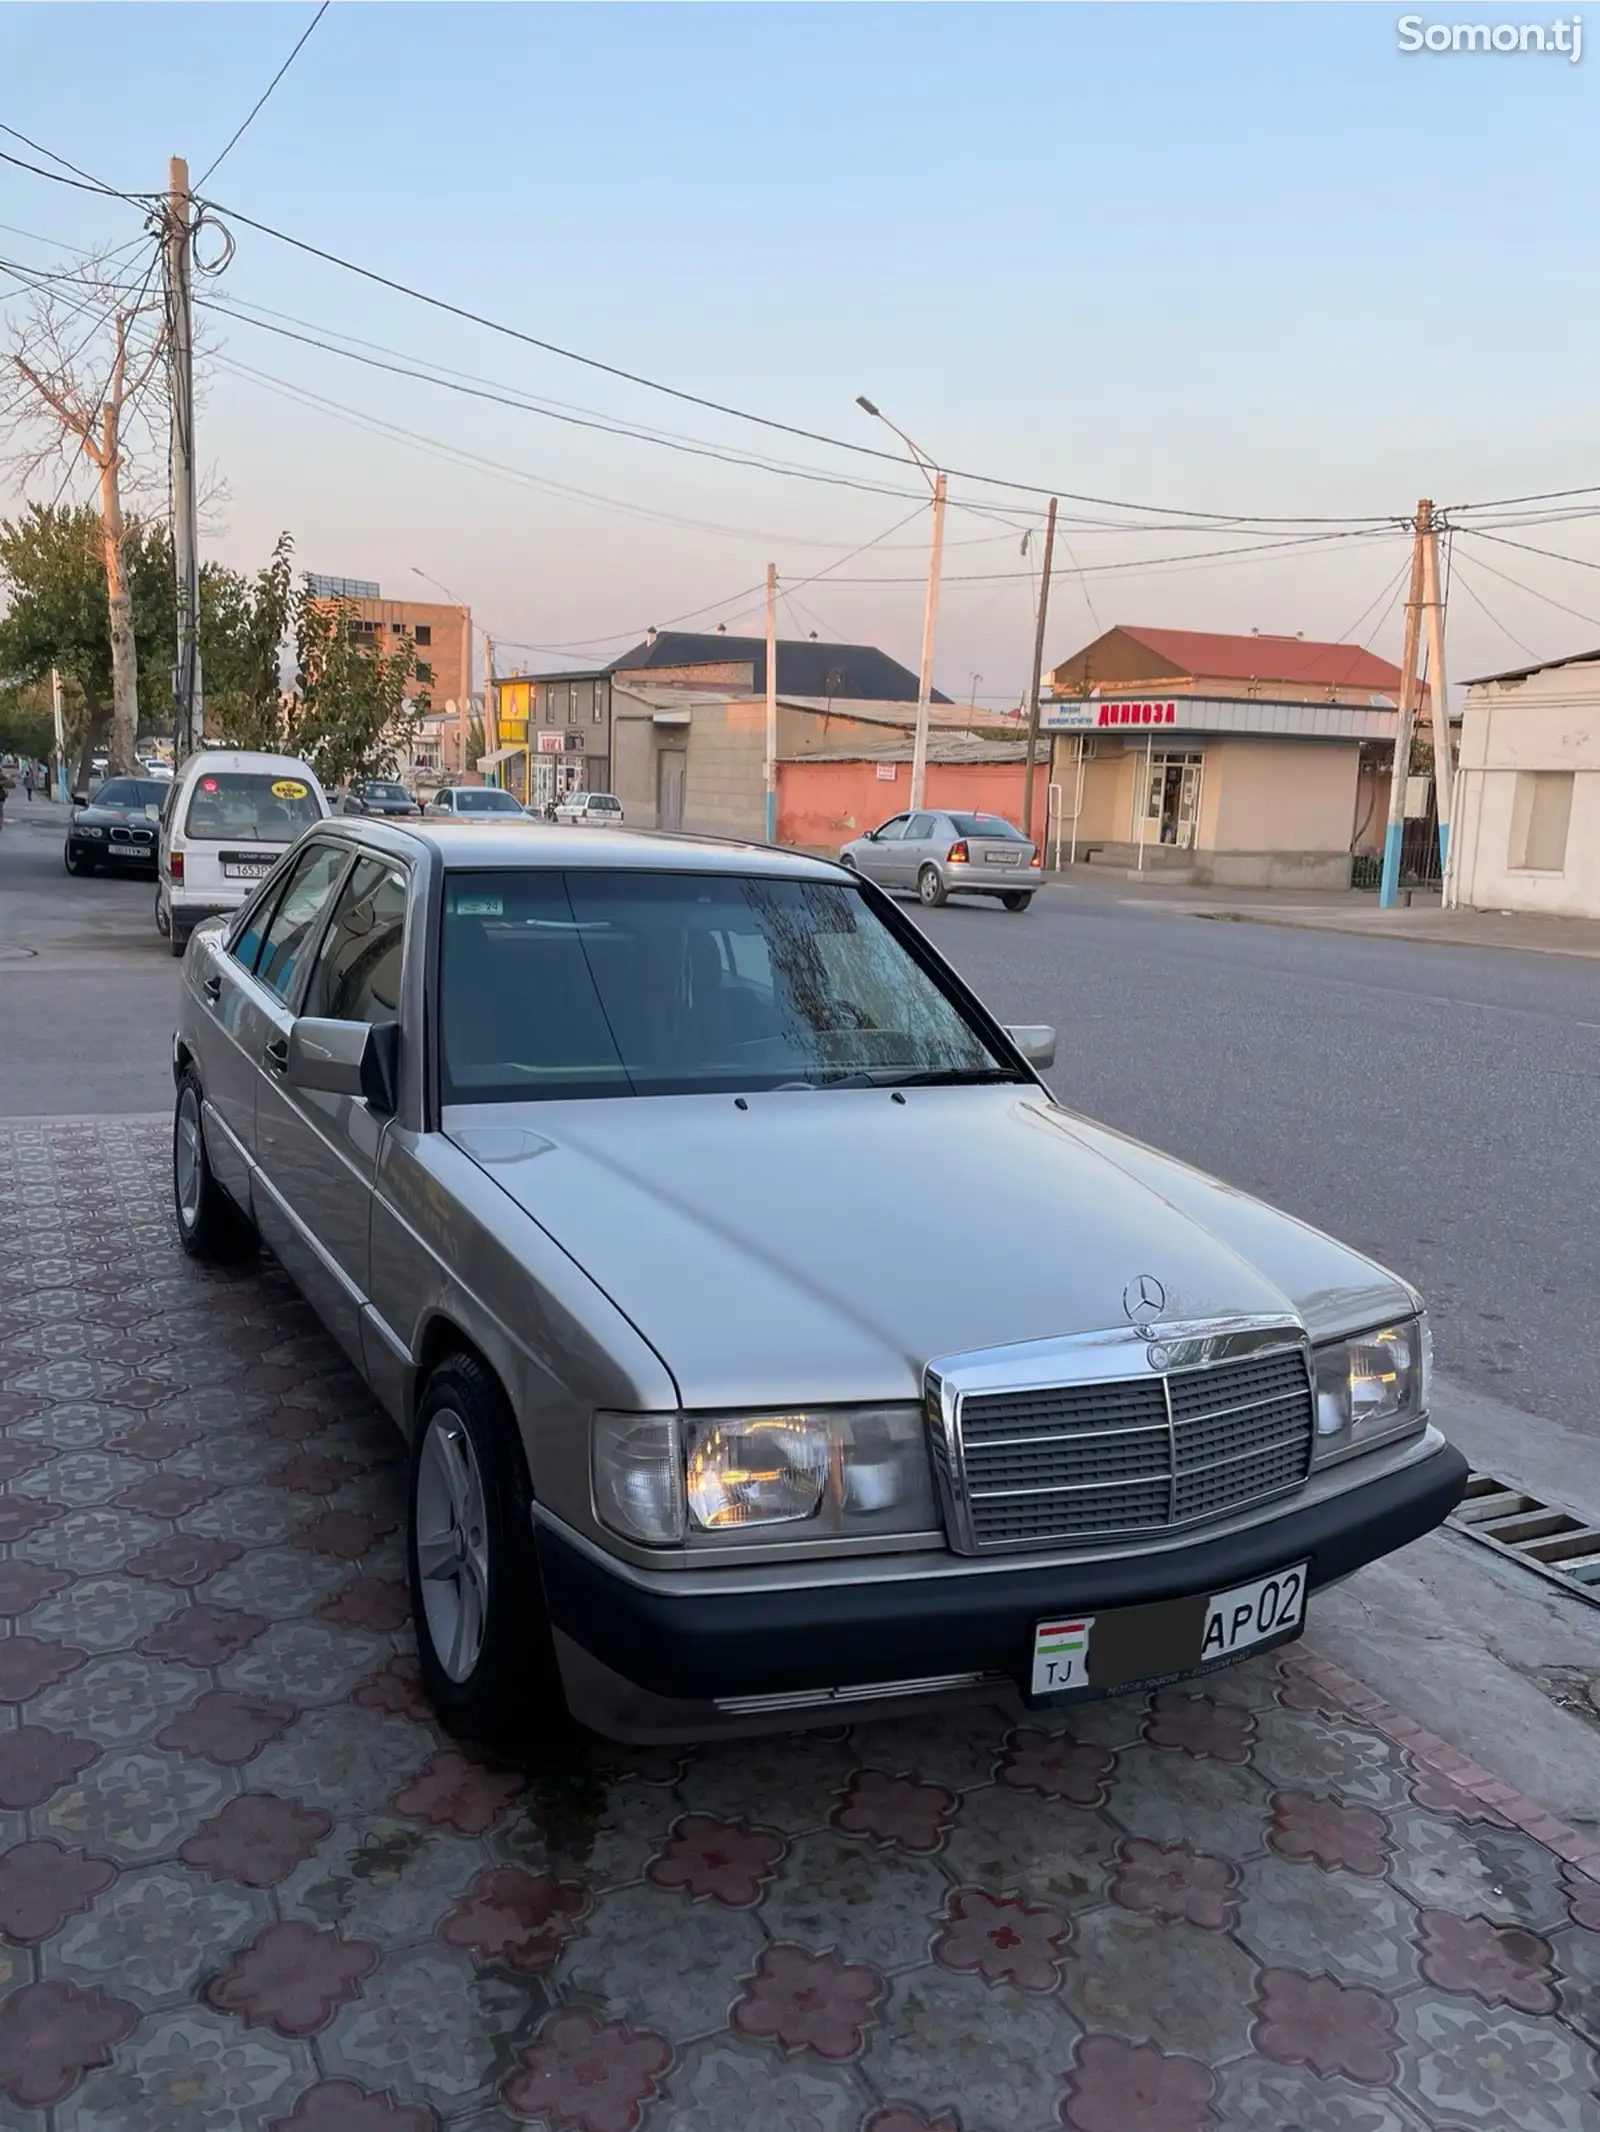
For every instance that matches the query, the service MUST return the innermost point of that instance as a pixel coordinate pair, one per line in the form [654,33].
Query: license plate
[129,851]
[1001,858]
[248,873]
[1171,1640]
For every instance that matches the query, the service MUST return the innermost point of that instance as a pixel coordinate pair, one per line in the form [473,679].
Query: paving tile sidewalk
[1424,921]
[245,1883]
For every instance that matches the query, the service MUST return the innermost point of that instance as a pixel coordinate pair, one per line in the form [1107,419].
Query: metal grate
[1081,1461]
[1558,1544]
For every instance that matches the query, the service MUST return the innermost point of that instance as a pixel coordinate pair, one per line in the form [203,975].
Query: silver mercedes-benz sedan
[605,1157]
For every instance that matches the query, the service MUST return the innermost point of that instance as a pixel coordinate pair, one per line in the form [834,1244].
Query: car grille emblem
[1143,1300]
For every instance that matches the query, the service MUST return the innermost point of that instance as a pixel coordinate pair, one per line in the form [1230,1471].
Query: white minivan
[227,821]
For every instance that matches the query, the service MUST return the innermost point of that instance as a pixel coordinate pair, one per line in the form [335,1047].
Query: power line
[267,91]
[81,181]
[1554,554]
[1135,563]
[740,414]
[1466,586]
[1532,591]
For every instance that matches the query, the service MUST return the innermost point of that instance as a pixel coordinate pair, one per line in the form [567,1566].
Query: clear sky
[1246,259]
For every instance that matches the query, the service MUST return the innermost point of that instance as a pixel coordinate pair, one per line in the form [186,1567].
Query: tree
[59,413]
[353,707]
[27,721]
[52,571]
[244,627]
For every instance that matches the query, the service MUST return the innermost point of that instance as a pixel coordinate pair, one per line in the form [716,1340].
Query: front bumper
[643,1661]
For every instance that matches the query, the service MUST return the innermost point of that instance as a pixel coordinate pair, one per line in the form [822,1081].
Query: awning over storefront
[500,755]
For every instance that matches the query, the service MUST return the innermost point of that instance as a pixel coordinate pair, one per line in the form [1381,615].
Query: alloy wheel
[188,1159]
[452,1544]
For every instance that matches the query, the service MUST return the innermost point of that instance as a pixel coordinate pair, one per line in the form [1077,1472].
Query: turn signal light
[957,855]
[175,865]
[1036,860]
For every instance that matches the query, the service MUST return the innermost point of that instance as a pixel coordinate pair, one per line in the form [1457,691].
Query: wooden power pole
[1038,670]
[1405,725]
[188,711]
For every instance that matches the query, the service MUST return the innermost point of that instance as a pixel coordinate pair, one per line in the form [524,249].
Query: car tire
[1018,899]
[177,937]
[78,862]
[930,889]
[847,859]
[477,1603]
[210,1226]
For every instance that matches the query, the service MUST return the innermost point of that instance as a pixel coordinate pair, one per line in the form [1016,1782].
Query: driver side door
[878,852]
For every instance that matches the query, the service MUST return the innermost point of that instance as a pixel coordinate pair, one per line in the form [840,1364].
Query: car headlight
[841,1472]
[87,829]
[1372,1386]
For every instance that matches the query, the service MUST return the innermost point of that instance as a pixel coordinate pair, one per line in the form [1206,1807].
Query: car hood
[134,815]
[826,1246]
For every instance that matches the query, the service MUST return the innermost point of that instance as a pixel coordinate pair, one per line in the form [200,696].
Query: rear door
[232,1034]
[917,846]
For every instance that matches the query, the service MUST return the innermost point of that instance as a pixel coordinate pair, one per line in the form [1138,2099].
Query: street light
[930,613]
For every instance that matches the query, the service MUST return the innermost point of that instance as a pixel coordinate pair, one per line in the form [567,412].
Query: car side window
[892,830]
[293,924]
[920,829]
[357,973]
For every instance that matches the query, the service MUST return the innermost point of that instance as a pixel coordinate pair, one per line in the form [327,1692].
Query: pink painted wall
[822,805]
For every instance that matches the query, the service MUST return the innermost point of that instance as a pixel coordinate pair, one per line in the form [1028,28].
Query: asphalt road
[1437,1106]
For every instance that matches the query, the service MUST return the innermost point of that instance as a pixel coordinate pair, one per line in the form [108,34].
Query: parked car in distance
[474,802]
[379,795]
[941,854]
[600,810]
[118,825]
[229,816]
[550,1130]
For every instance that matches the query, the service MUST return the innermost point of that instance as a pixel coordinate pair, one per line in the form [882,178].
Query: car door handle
[278,1054]
[211,985]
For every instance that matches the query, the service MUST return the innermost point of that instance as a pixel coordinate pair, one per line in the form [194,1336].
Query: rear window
[384,792]
[249,806]
[485,799]
[987,825]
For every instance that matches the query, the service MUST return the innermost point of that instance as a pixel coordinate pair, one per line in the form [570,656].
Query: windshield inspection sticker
[289,788]
[477,907]
[1061,1655]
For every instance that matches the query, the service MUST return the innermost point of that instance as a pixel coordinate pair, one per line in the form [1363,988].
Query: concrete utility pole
[1443,766]
[491,698]
[188,711]
[1038,670]
[930,622]
[1394,834]
[772,703]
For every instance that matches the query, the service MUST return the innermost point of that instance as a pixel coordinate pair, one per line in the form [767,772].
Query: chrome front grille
[1139,1454]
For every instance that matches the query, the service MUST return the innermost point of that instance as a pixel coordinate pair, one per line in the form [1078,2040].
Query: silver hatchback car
[940,854]
[580,1146]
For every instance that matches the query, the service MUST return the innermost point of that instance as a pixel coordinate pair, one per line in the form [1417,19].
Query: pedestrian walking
[27,783]
[5,793]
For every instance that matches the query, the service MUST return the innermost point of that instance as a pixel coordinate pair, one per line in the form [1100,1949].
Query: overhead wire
[1483,606]
[1532,591]
[249,118]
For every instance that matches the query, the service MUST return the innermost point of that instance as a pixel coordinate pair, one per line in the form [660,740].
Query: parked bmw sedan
[379,795]
[562,1136]
[118,827]
[942,855]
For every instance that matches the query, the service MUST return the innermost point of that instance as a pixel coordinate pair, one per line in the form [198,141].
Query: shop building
[1247,761]
[1525,834]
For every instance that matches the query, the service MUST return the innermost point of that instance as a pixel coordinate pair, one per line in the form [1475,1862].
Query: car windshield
[384,792]
[135,792]
[986,825]
[485,799]
[254,806]
[612,984]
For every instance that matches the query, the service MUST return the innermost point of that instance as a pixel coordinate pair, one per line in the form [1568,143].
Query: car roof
[205,759]
[535,845]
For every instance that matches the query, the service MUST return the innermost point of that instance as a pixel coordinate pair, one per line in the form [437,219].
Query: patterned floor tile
[785,1783]
[583,1825]
[276,1582]
[1490,1872]
[1052,1853]
[93,1541]
[1297,1753]
[80,1477]
[871,1905]
[346,1761]
[1255,2096]
[1215,1806]
[118,1698]
[1176,1986]
[1359,1930]
[136,1806]
[103,1613]
[155,1933]
[955,1748]
[191,2070]
[723,2085]
[309,1661]
[1576,1959]
[935,2047]
[1461,2065]
[429,2026]
[647,1956]
[390,1881]
[259,1517]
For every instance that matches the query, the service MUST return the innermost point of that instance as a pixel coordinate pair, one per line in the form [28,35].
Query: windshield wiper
[945,1077]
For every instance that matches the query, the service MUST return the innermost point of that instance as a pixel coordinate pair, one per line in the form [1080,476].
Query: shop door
[1173,801]
[672,766]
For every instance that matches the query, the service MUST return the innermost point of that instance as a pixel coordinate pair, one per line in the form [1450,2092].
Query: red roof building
[1198,662]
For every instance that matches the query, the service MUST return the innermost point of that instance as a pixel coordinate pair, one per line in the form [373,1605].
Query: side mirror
[80,799]
[344,1059]
[1037,1043]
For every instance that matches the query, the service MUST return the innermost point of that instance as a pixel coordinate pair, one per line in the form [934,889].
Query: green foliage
[27,724]
[52,570]
[351,707]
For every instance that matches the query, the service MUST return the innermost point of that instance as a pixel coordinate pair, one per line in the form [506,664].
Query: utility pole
[930,619]
[62,792]
[188,719]
[1443,767]
[1394,835]
[772,703]
[1038,670]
